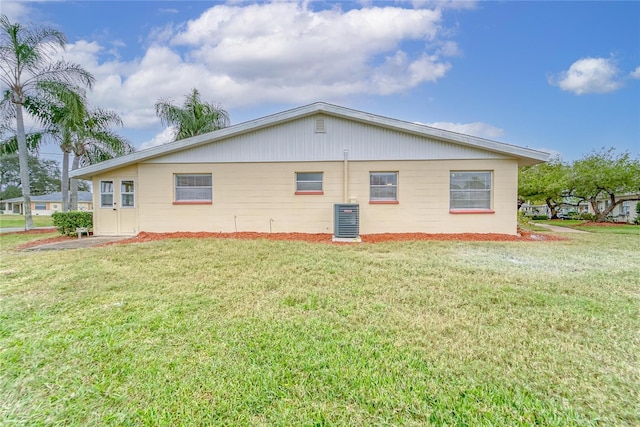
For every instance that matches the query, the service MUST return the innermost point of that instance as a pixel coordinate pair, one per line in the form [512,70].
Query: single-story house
[623,212]
[287,172]
[45,204]
[564,210]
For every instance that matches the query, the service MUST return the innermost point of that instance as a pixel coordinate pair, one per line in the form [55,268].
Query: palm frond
[194,117]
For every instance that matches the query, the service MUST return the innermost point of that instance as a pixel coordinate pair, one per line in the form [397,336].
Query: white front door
[117,211]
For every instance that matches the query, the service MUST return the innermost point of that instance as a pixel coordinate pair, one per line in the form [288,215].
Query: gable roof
[525,156]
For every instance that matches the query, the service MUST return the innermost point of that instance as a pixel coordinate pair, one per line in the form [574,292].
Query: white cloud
[635,74]
[479,129]
[589,75]
[283,52]
[17,11]
[163,137]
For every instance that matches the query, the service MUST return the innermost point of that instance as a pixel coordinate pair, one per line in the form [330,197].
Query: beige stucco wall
[257,196]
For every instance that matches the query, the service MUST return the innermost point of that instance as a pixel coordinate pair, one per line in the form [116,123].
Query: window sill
[384,202]
[317,193]
[471,211]
[194,203]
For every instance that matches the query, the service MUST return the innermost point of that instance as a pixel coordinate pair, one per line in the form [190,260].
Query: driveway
[85,242]
[559,229]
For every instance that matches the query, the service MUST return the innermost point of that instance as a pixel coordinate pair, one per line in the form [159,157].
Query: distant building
[45,204]
[623,212]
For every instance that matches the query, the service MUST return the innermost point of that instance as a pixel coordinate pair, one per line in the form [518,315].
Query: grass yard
[605,228]
[224,332]
[17,221]
[612,229]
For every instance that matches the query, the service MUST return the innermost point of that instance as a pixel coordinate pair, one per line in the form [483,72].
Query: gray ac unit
[346,221]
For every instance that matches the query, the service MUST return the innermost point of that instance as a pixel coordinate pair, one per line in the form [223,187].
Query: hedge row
[67,222]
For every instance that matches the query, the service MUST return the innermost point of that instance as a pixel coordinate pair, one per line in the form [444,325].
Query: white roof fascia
[441,134]
[526,156]
[194,141]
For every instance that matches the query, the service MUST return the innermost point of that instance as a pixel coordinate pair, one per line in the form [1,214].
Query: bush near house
[68,222]
[586,216]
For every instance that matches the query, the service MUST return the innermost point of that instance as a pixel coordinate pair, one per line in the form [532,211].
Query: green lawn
[17,221]
[223,332]
[605,229]
[561,222]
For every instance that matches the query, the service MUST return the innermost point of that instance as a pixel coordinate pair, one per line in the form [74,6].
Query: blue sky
[563,77]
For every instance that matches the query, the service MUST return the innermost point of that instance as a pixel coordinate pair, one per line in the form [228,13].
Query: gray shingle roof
[83,196]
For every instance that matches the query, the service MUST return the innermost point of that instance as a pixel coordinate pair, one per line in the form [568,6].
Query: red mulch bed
[144,236]
[42,241]
[326,237]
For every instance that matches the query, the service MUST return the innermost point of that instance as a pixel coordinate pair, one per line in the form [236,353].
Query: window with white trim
[625,209]
[470,190]
[383,186]
[127,194]
[106,194]
[40,206]
[309,182]
[194,188]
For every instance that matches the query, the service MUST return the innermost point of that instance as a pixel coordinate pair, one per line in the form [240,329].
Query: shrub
[539,217]
[67,222]
[587,216]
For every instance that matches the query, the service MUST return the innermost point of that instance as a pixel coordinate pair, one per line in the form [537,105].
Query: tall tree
[94,141]
[193,118]
[606,174]
[545,183]
[44,176]
[28,71]
[62,117]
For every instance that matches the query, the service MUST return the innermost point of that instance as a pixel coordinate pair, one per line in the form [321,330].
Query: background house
[45,204]
[285,173]
[624,212]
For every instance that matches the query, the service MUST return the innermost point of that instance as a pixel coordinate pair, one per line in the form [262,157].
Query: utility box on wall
[346,222]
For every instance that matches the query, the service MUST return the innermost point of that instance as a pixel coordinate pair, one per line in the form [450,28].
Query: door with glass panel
[117,213]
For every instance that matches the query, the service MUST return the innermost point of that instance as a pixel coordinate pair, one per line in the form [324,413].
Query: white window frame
[388,184]
[106,193]
[43,204]
[472,205]
[207,189]
[625,207]
[300,181]
[124,193]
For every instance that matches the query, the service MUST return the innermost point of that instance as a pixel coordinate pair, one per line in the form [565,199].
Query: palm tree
[29,72]
[193,118]
[63,120]
[93,142]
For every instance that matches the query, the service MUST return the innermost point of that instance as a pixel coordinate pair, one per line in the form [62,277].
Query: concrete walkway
[559,229]
[85,242]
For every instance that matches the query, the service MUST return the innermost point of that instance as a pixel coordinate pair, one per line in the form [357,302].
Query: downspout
[345,176]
